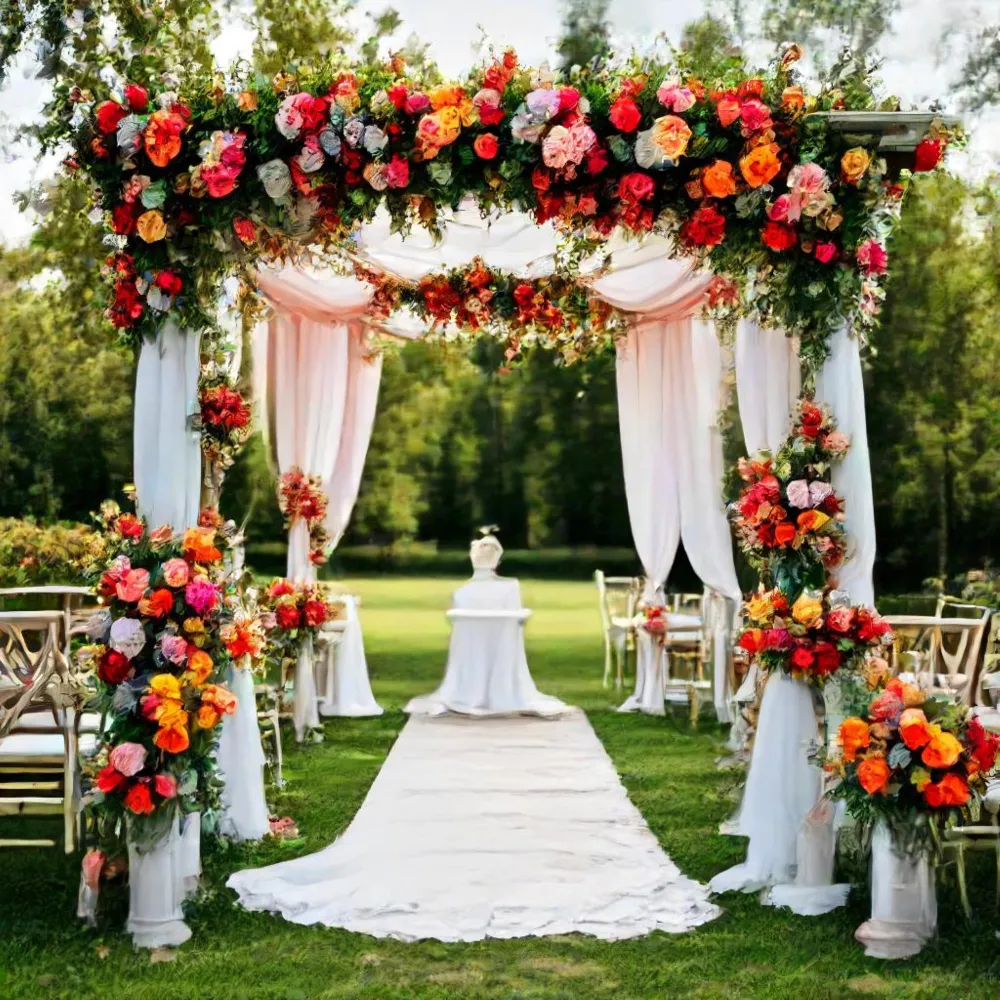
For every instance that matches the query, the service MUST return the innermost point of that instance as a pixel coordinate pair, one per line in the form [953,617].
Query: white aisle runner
[474,828]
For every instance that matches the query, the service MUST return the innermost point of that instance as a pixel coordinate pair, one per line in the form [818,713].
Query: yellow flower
[467,112]
[759,607]
[193,626]
[207,717]
[247,101]
[807,610]
[150,226]
[166,686]
[444,96]
[171,714]
[671,136]
[854,164]
[451,123]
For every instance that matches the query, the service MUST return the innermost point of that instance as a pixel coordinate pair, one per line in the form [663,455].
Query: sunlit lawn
[669,769]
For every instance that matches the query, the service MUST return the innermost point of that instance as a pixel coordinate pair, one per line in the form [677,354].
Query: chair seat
[29,722]
[40,746]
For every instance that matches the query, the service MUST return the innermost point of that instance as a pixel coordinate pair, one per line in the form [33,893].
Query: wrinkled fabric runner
[506,827]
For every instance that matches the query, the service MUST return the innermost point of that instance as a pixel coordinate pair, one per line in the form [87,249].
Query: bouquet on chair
[918,762]
[159,661]
[296,611]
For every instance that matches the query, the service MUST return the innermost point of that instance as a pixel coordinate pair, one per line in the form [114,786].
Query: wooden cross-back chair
[41,698]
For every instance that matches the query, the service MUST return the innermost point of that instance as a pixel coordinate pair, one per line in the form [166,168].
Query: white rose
[276,178]
[128,637]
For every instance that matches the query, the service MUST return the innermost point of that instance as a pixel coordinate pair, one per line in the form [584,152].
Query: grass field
[668,768]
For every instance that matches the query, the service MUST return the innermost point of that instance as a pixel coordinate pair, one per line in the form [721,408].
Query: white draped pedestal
[156,891]
[343,684]
[782,786]
[487,671]
[241,765]
[488,828]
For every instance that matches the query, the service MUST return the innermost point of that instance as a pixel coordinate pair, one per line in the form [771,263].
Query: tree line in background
[536,450]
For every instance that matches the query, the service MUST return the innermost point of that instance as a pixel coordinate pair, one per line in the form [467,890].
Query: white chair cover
[241,765]
[346,689]
[487,671]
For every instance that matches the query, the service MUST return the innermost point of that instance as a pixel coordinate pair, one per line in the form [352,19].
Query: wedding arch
[673,218]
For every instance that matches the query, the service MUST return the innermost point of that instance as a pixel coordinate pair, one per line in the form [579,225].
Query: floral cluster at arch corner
[301,497]
[739,170]
[173,621]
[298,611]
[789,522]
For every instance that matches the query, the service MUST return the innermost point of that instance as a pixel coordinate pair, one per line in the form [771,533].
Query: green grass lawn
[669,770]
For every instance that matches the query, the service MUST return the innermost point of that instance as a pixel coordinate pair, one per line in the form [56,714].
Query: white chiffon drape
[840,385]
[669,377]
[768,382]
[345,689]
[166,442]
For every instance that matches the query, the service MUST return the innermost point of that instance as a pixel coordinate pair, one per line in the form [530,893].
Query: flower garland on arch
[301,497]
[738,170]
[555,312]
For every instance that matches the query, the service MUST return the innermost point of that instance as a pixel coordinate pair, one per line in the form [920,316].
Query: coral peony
[728,109]
[942,750]
[128,758]
[913,728]
[176,572]
[717,179]
[172,739]
[761,165]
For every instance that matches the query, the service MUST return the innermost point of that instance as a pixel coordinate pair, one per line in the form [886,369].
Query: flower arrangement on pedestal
[159,664]
[301,497]
[918,762]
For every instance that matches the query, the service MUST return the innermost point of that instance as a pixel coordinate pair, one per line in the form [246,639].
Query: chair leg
[694,704]
[607,660]
[963,889]
[278,778]
[621,654]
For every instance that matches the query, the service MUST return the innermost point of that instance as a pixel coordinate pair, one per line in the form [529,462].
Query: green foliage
[980,77]
[584,40]
[293,33]
[33,555]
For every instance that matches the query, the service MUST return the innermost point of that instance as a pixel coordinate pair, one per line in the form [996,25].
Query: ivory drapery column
[768,382]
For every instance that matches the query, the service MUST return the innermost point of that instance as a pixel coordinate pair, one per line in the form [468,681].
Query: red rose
[109,779]
[129,526]
[486,146]
[169,282]
[397,172]
[113,667]
[827,658]
[541,179]
[750,88]
[123,219]
[314,613]
[108,115]
[840,620]
[398,94]
[635,187]
[784,533]
[569,98]
[825,252]
[524,295]
[625,114]
[752,640]
[138,800]
[802,658]
[138,99]
[705,228]
[770,488]
[812,420]
[778,236]
[288,616]
[927,155]
[597,160]
[159,603]
[245,230]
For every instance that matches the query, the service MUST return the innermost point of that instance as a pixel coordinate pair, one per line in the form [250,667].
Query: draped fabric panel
[166,444]
[768,382]
[840,385]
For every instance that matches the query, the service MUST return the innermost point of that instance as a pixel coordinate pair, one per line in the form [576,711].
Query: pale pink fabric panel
[333,298]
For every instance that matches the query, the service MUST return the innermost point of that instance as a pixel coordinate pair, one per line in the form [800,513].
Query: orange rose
[207,717]
[913,728]
[793,98]
[910,694]
[171,715]
[873,773]
[150,226]
[199,667]
[447,94]
[172,739]
[854,165]
[951,790]
[671,136]
[199,547]
[854,736]
[812,520]
[247,101]
[942,751]
[220,698]
[157,604]
[163,136]
[717,179]
[760,166]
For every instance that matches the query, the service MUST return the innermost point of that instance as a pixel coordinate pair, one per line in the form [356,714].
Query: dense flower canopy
[741,170]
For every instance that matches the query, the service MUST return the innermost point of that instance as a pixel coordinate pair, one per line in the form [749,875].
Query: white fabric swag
[768,381]
[166,444]
[321,386]
[669,376]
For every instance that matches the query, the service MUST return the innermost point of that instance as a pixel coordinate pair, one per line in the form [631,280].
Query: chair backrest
[960,648]
[688,604]
[34,670]
[618,595]
[602,599]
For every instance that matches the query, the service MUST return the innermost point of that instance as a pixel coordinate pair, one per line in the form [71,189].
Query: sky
[921,55]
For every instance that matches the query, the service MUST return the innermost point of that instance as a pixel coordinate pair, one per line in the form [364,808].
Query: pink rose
[871,257]
[755,115]
[201,596]
[128,758]
[165,785]
[840,620]
[397,172]
[825,252]
[133,586]
[798,494]
[161,536]
[176,572]
[780,210]
[809,185]
[149,704]
[836,443]
[416,104]
[91,868]
[556,148]
[174,648]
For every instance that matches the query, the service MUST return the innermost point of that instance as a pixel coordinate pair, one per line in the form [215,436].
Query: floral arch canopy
[746,172]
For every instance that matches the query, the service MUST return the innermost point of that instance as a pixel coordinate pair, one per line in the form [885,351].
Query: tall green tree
[585,33]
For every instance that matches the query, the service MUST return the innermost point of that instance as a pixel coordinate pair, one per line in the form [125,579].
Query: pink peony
[779,210]
[819,490]
[840,620]
[871,257]
[165,785]
[836,443]
[798,494]
[556,148]
[755,115]
[809,185]
[131,588]
[201,596]
[674,97]
[176,572]
[174,648]
[128,758]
